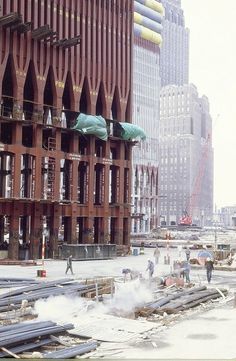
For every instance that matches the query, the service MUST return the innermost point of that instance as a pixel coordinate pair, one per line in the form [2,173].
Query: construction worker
[69,265]
[150,268]
[141,251]
[187,252]
[209,268]
[126,272]
[132,273]
[186,270]
[179,268]
[156,254]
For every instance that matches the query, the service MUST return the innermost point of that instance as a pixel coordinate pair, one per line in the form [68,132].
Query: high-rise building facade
[53,176]
[174,54]
[146,88]
[186,156]
[227,216]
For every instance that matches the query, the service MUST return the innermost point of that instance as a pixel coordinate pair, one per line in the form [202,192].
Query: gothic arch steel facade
[102,61]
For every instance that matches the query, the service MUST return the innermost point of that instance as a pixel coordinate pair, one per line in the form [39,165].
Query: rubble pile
[180,300]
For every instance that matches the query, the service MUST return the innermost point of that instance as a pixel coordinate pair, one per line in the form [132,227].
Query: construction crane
[186,219]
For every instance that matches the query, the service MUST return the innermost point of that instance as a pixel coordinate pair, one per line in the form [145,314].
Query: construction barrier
[88,251]
[41,273]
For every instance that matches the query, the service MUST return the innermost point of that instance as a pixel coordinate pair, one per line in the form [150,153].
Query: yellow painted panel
[155,5]
[151,35]
[138,18]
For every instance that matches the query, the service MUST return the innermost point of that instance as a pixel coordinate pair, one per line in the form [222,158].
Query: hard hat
[208,259]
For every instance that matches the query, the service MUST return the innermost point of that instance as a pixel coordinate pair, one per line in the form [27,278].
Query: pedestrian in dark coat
[209,268]
[69,265]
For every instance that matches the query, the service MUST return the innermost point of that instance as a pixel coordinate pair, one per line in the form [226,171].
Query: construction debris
[22,332]
[114,329]
[24,337]
[40,339]
[72,351]
[104,286]
[180,300]
[13,299]
[12,282]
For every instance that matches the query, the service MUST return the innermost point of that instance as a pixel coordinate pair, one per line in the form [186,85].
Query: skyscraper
[146,88]
[186,155]
[174,54]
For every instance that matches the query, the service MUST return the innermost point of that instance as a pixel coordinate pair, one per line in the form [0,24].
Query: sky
[212,69]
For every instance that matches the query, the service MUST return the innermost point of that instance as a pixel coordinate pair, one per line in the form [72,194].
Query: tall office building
[60,169]
[174,54]
[146,88]
[186,156]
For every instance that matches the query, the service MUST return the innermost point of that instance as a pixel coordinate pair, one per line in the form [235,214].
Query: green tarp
[92,124]
[131,131]
[96,125]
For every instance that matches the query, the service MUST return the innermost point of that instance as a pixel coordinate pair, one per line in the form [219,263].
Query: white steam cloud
[71,309]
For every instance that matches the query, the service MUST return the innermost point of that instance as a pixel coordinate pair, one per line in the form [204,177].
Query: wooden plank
[9,352]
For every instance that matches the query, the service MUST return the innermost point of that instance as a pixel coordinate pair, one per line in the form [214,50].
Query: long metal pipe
[25,327]
[32,334]
[26,347]
[36,287]
[45,293]
[71,351]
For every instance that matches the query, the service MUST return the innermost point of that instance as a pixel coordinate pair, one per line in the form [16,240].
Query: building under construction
[62,61]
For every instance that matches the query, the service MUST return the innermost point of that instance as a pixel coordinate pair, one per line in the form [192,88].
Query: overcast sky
[212,69]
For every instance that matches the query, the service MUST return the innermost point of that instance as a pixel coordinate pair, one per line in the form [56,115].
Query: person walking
[186,267]
[209,268]
[156,255]
[150,268]
[69,265]
[187,252]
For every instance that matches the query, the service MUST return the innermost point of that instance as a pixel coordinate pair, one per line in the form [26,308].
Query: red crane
[186,219]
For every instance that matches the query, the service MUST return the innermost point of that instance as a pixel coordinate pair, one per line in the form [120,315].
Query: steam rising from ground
[72,309]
